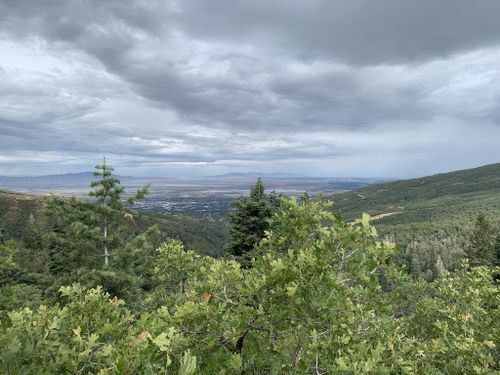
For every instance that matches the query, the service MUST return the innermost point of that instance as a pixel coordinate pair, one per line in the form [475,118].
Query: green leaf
[188,364]
[342,365]
[162,341]
[292,289]
[235,362]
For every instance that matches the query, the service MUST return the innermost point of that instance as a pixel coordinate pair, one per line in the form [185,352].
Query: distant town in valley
[210,195]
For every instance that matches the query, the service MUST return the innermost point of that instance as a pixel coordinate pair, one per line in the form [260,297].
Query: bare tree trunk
[106,253]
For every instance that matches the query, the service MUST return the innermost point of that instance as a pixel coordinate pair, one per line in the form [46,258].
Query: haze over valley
[210,195]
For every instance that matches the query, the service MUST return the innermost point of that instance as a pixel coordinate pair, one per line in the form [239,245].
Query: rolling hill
[418,205]
[18,211]
[459,195]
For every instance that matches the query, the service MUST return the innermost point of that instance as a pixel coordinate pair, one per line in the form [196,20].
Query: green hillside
[321,295]
[18,211]
[431,219]
[447,196]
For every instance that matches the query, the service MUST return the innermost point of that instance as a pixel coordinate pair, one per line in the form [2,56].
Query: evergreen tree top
[108,189]
[258,191]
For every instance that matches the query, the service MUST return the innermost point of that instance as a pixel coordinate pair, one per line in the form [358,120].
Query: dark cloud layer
[311,86]
[356,31]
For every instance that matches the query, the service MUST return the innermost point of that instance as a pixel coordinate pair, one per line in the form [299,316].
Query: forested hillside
[21,216]
[459,195]
[90,287]
[431,219]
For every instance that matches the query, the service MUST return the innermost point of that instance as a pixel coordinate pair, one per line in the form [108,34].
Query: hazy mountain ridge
[77,184]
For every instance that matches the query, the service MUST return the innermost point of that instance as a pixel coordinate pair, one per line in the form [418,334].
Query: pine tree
[109,194]
[82,232]
[248,222]
[8,267]
[480,249]
[73,234]
[496,251]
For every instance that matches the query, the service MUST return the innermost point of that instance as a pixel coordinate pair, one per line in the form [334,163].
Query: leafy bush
[321,296]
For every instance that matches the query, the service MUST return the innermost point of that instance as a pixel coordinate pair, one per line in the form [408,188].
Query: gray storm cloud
[310,86]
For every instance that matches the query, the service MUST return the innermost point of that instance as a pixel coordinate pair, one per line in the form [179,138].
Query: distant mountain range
[68,180]
[47,182]
[78,183]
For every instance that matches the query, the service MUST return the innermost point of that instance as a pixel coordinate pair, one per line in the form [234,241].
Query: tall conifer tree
[496,251]
[480,249]
[109,194]
[81,232]
[248,222]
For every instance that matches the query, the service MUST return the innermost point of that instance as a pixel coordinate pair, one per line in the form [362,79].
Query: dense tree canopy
[321,297]
[303,292]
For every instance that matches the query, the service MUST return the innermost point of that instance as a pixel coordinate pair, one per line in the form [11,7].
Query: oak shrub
[321,297]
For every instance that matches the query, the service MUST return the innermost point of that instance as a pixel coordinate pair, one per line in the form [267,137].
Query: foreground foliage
[321,297]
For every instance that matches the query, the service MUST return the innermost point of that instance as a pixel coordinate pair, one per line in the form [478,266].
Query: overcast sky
[384,88]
